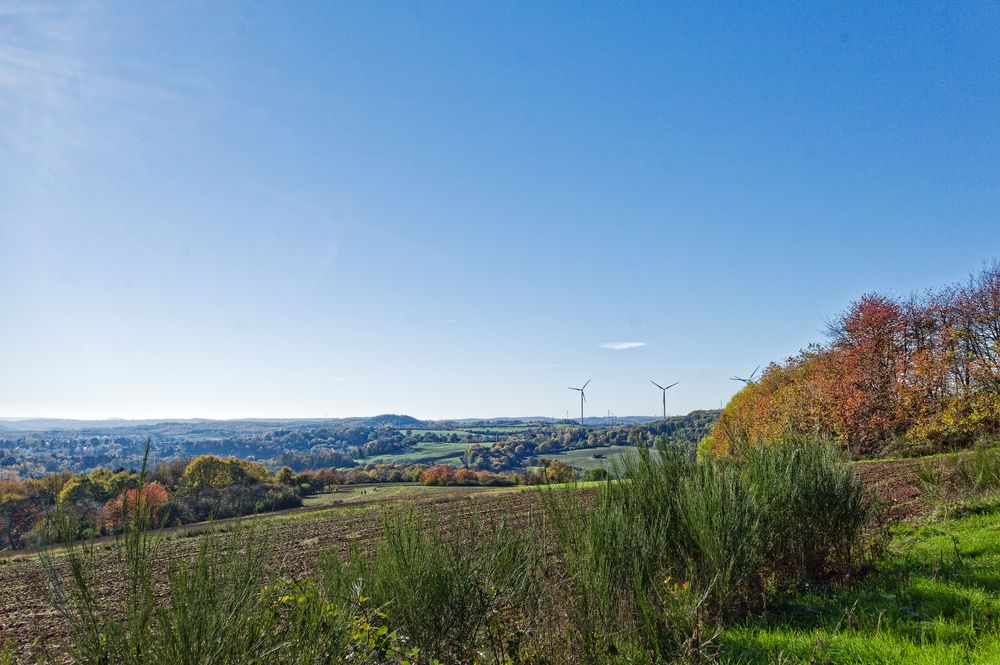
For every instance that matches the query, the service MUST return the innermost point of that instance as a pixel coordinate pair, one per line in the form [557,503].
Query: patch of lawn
[935,598]
[424,453]
[583,458]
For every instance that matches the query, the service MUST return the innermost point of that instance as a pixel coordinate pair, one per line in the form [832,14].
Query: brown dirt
[28,620]
[894,485]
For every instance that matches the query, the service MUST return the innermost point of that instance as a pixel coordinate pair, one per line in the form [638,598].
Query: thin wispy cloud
[621,346]
[343,221]
[61,69]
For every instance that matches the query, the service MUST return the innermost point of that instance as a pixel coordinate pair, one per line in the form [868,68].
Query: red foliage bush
[121,509]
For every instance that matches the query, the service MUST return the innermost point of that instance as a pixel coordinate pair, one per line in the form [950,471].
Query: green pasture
[423,453]
[935,598]
[584,457]
[439,432]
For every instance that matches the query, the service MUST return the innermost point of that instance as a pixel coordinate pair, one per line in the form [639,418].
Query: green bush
[678,545]
[213,614]
[811,505]
[614,567]
[447,596]
[978,471]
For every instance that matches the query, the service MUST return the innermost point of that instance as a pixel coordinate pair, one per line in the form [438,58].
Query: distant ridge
[42,424]
[393,420]
[10,425]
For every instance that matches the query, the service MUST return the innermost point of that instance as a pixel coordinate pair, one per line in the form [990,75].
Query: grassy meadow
[933,599]
[606,457]
[424,453]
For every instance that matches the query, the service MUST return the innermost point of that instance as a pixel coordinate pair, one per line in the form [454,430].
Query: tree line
[179,491]
[916,374]
[37,511]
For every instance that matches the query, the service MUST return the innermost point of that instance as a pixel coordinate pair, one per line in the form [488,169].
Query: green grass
[509,429]
[439,432]
[934,599]
[584,457]
[986,445]
[425,453]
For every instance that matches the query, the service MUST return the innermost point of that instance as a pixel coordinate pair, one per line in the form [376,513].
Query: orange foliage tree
[151,500]
[921,370]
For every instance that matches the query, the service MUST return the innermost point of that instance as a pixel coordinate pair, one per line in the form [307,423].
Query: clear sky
[449,209]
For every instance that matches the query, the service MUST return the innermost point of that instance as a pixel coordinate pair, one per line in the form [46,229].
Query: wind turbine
[664,390]
[747,380]
[583,398]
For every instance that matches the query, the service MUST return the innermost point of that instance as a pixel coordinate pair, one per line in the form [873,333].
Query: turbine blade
[656,384]
[672,385]
[586,384]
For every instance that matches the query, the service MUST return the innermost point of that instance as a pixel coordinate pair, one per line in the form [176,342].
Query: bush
[213,614]
[811,506]
[978,471]
[678,545]
[598,474]
[448,597]
[119,510]
[615,566]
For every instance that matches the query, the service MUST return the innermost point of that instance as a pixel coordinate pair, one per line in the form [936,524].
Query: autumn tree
[212,471]
[150,502]
[21,505]
[558,471]
[922,371]
[284,476]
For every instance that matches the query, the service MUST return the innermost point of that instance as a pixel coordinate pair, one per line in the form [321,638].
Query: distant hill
[47,424]
[393,420]
[593,421]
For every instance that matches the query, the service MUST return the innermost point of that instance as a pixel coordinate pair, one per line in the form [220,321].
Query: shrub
[615,566]
[211,471]
[213,615]
[559,472]
[597,474]
[811,506]
[121,509]
[978,471]
[725,532]
[449,597]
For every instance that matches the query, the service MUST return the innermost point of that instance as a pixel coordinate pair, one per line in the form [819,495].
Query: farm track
[297,538]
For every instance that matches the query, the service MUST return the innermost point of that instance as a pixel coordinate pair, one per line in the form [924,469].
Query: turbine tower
[747,380]
[583,398]
[664,391]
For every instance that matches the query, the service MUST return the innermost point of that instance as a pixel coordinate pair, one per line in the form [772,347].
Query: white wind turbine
[747,380]
[664,391]
[583,398]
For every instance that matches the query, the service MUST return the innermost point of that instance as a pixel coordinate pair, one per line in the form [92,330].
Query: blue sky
[236,210]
